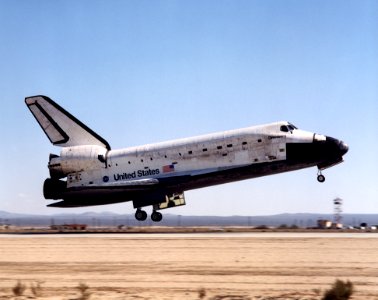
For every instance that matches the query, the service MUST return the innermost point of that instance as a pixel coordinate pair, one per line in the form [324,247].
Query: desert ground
[188,266]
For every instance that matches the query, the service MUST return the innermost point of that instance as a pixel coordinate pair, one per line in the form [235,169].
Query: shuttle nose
[343,147]
[330,152]
[336,146]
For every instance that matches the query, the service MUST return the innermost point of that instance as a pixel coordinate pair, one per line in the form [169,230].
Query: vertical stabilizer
[62,128]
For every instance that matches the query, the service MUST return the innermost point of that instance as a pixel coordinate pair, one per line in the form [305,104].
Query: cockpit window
[284,128]
[287,128]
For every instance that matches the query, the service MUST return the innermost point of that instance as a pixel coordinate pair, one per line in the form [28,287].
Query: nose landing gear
[321,177]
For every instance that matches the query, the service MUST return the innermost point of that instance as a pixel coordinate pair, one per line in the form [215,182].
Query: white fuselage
[191,156]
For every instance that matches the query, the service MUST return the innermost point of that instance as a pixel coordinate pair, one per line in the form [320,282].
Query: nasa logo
[105,178]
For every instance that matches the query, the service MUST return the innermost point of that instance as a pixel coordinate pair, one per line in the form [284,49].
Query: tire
[321,178]
[140,215]
[156,216]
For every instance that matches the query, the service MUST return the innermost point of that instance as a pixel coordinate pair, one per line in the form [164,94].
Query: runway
[260,265]
[220,234]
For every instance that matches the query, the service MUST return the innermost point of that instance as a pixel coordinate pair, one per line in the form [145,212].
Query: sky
[139,72]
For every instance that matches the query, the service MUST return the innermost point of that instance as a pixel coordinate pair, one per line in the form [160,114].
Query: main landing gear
[141,215]
[156,216]
[321,177]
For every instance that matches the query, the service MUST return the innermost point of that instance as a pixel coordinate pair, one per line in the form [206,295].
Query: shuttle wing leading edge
[62,128]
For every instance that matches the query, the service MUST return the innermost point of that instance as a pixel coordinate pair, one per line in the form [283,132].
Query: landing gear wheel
[156,216]
[140,215]
[321,178]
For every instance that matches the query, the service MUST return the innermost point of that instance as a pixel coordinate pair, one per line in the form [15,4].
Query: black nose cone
[343,147]
[336,147]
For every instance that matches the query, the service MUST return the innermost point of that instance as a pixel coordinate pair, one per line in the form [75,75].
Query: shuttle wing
[62,128]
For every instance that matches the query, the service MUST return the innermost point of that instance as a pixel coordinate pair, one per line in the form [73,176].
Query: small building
[337,226]
[324,224]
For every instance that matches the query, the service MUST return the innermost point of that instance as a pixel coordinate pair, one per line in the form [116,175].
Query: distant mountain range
[109,219]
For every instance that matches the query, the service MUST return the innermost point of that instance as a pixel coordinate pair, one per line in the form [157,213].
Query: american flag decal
[168,168]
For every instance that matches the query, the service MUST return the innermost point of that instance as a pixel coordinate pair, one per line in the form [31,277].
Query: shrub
[262,227]
[201,293]
[340,290]
[83,289]
[19,288]
[36,289]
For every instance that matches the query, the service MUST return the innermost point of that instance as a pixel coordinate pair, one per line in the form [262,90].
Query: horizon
[173,214]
